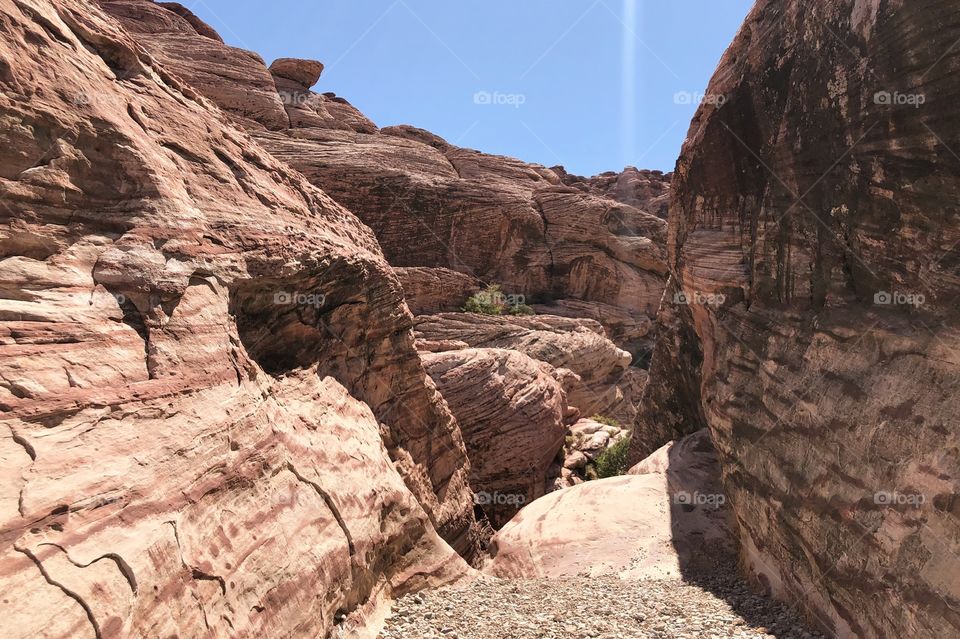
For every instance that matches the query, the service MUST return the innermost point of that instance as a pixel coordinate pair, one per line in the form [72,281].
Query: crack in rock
[73,595]
[121,563]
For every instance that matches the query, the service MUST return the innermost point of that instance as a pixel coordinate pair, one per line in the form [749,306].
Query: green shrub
[492,301]
[487,302]
[608,421]
[613,460]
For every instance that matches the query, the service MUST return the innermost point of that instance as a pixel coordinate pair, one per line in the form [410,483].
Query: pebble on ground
[604,607]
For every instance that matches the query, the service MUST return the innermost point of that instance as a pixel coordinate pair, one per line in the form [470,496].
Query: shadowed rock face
[820,199]
[213,411]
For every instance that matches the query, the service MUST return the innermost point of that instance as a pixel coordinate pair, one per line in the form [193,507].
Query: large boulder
[668,518]
[511,410]
[214,413]
[303,73]
[813,324]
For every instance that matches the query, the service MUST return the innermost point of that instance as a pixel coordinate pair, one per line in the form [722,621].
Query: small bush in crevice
[493,301]
[613,461]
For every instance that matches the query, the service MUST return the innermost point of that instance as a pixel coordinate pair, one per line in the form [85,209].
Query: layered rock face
[215,418]
[434,290]
[602,380]
[511,410]
[644,189]
[535,230]
[813,250]
[493,218]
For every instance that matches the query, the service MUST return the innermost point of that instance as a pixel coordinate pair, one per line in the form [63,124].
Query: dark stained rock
[812,324]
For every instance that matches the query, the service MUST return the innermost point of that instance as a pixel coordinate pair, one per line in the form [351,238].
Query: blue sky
[590,84]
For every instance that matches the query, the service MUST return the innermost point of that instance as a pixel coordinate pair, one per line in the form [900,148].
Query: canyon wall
[811,322]
[556,239]
[215,420]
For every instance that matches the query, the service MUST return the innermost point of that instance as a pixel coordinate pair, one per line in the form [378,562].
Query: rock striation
[641,188]
[536,231]
[811,322]
[215,420]
[511,410]
[600,379]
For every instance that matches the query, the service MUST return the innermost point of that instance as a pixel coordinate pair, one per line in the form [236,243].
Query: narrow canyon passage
[648,555]
[272,369]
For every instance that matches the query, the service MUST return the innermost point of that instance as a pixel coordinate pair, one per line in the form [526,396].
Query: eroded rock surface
[644,189]
[603,381]
[511,410]
[215,420]
[820,200]
[436,290]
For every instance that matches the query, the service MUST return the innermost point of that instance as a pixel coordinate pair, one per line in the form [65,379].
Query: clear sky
[590,84]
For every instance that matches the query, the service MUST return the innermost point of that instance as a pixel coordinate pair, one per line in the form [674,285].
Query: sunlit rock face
[215,420]
[511,409]
[536,231]
[812,319]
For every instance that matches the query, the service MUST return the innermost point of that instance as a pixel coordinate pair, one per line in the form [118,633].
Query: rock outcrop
[214,418]
[604,382]
[511,410]
[666,519]
[433,204]
[813,249]
[643,189]
[235,79]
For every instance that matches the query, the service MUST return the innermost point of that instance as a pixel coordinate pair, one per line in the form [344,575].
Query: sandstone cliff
[215,419]
[812,319]
[431,203]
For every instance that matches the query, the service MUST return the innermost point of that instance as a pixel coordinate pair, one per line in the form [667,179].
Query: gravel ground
[594,608]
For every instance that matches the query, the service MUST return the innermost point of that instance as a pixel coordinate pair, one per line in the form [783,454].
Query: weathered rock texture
[436,290]
[433,204]
[603,382]
[820,198]
[644,189]
[215,420]
[511,411]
